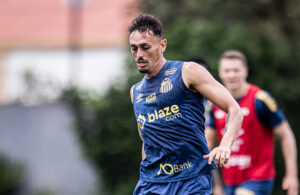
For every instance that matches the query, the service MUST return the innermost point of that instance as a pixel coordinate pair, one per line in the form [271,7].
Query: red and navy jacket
[253,151]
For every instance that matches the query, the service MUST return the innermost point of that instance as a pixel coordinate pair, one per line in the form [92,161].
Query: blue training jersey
[171,120]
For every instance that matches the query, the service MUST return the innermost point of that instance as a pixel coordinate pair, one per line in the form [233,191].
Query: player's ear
[163,45]
[246,71]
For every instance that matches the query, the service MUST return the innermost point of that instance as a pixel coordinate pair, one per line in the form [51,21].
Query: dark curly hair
[146,22]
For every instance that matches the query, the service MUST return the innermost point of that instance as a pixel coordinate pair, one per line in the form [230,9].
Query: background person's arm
[289,150]
[212,140]
[211,137]
[198,79]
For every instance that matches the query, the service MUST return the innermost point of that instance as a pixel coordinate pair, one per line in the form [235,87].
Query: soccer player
[250,169]
[168,106]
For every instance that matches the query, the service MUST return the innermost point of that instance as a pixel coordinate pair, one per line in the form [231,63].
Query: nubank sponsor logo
[170,169]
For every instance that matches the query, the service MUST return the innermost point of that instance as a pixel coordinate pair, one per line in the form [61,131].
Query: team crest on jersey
[170,71]
[139,98]
[141,121]
[166,85]
[269,101]
[151,98]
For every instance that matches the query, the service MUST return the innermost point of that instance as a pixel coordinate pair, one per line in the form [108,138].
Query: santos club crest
[166,85]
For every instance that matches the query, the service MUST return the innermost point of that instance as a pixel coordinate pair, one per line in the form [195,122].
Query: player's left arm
[198,79]
[270,116]
[288,146]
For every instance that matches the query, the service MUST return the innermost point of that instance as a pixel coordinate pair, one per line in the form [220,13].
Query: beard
[143,71]
[145,68]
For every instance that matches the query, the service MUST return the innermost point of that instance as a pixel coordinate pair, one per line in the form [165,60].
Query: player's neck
[240,92]
[157,67]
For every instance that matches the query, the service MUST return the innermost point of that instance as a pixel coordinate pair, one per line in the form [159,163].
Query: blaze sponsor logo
[169,113]
[151,98]
[170,71]
[166,85]
[139,98]
[171,169]
[141,121]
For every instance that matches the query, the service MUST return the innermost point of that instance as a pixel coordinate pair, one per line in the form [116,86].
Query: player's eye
[133,48]
[146,47]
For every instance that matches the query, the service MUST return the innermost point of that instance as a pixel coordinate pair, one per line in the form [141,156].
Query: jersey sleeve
[267,110]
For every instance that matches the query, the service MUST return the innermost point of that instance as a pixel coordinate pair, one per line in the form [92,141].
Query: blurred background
[66,120]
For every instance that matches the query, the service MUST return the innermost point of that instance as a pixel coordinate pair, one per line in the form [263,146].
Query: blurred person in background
[168,106]
[250,169]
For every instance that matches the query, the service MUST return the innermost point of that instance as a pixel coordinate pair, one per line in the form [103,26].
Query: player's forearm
[233,126]
[288,145]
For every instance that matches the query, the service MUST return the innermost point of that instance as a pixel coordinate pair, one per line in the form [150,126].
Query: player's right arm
[198,79]
[143,151]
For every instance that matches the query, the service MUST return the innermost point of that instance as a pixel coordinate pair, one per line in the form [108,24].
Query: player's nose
[139,53]
[230,74]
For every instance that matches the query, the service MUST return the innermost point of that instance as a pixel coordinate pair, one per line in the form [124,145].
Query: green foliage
[265,30]
[108,131]
[11,176]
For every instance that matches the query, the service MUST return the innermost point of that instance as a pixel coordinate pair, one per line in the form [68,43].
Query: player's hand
[291,184]
[219,154]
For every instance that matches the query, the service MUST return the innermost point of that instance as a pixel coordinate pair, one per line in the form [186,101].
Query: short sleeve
[267,110]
